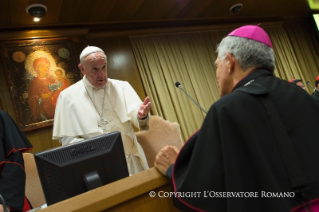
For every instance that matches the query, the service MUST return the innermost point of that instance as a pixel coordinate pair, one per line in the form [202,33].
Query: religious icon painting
[37,72]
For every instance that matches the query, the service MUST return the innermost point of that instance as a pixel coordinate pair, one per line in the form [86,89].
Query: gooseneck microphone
[178,85]
[308,83]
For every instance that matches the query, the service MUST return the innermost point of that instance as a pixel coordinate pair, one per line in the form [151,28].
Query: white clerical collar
[88,84]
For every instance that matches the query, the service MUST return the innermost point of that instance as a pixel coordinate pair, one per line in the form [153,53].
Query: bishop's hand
[144,108]
[165,158]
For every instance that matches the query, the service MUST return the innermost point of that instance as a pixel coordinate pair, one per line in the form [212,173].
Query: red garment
[38,87]
[65,84]
[26,205]
[313,205]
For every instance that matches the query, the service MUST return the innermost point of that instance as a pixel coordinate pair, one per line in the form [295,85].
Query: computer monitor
[73,169]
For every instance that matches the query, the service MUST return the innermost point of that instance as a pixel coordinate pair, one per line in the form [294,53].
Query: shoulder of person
[115,82]
[241,96]
[73,89]
[253,87]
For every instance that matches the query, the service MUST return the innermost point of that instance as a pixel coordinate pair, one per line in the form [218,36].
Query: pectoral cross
[103,124]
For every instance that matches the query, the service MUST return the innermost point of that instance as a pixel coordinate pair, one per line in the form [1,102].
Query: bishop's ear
[230,61]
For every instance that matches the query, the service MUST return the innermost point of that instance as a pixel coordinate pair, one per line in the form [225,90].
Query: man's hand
[1,208]
[144,108]
[165,158]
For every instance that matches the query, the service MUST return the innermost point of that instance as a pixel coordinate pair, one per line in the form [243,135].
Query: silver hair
[83,59]
[249,53]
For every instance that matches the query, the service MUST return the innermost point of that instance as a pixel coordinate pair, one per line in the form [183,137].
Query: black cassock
[12,174]
[235,151]
[315,95]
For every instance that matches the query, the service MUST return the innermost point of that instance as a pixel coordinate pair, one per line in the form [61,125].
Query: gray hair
[249,53]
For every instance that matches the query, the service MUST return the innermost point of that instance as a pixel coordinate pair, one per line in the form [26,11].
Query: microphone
[308,83]
[178,85]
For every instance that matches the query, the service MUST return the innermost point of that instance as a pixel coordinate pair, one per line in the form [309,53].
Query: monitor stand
[92,180]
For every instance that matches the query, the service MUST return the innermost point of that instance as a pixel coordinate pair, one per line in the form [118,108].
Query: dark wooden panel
[27,34]
[163,9]
[103,10]
[222,8]
[179,6]
[146,10]
[86,10]
[187,9]
[53,13]
[132,8]
[41,139]
[69,11]
[75,13]
[5,95]
[19,15]
[298,8]
[256,9]
[194,10]
[4,12]
[125,10]
[145,203]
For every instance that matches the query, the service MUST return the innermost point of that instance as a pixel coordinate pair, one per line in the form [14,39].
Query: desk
[128,194]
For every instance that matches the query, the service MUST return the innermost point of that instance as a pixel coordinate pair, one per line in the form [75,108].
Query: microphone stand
[180,86]
[312,87]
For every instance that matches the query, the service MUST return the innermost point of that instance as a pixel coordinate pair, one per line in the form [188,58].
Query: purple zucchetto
[253,33]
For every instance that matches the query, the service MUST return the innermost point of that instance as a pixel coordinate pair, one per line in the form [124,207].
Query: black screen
[61,169]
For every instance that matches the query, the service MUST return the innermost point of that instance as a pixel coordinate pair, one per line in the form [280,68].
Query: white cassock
[76,117]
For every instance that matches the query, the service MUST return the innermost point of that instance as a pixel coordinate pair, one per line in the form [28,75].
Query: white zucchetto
[89,50]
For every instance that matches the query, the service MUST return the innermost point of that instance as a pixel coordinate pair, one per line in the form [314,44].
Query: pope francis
[97,105]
